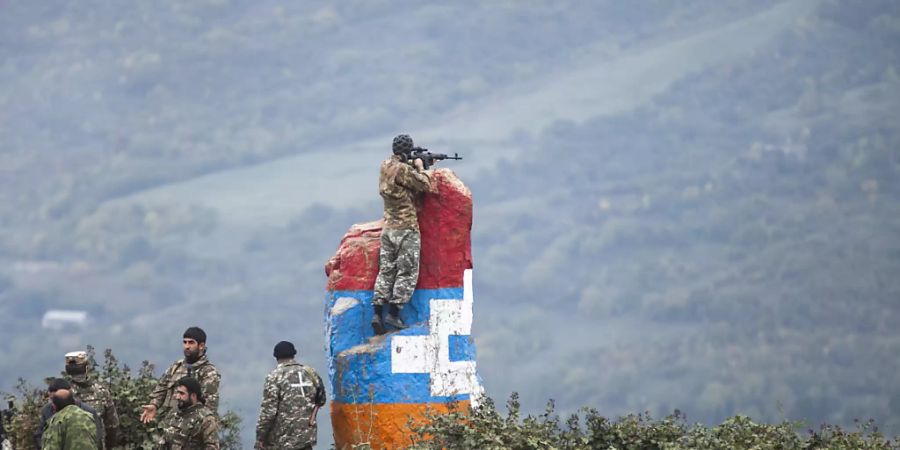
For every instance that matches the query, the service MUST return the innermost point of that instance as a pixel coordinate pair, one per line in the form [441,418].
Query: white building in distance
[59,319]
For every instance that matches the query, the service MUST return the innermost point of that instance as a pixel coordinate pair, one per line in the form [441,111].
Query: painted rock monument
[380,383]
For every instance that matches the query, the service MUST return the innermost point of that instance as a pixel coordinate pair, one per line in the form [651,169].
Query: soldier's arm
[210,385]
[52,438]
[414,179]
[111,420]
[267,410]
[46,413]
[100,432]
[209,433]
[320,390]
[158,396]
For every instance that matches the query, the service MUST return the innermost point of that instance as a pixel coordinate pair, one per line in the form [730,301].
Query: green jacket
[70,429]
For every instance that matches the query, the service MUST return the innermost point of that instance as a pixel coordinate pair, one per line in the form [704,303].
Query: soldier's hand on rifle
[418,163]
[149,413]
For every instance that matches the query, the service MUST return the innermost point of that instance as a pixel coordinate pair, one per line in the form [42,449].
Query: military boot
[392,317]
[377,326]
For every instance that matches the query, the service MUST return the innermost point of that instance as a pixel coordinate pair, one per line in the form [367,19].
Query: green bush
[486,428]
[129,390]
[25,417]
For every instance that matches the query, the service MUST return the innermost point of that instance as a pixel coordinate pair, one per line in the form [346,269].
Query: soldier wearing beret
[195,365]
[292,396]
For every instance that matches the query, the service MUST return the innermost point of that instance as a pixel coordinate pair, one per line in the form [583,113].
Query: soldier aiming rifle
[402,180]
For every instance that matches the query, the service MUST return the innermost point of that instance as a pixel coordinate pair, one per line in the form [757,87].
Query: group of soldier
[81,414]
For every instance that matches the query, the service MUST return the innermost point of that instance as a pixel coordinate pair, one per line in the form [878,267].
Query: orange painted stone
[381,425]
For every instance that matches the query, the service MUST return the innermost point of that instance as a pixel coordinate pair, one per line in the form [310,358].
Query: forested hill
[727,245]
[747,221]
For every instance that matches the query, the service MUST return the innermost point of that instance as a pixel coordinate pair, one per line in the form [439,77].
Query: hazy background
[686,204]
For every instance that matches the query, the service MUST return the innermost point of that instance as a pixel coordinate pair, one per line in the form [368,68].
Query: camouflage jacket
[291,393]
[192,428]
[70,429]
[163,396]
[398,184]
[47,414]
[97,395]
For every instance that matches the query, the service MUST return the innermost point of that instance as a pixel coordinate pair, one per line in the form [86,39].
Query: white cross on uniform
[301,384]
[431,353]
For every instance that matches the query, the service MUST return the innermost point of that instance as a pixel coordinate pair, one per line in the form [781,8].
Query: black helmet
[402,144]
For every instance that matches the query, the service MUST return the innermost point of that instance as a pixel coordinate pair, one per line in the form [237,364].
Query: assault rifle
[428,158]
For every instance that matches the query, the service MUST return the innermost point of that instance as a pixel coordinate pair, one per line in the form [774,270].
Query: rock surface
[380,383]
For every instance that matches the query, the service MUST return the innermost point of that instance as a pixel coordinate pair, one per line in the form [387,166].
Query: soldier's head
[402,144]
[76,363]
[194,342]
[188,392]
[284,350]
[60,393]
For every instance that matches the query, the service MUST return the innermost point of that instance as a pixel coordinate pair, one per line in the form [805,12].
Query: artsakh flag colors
[379,383]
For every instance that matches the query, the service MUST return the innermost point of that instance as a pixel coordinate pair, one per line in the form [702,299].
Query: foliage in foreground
[129,390]
[486,428]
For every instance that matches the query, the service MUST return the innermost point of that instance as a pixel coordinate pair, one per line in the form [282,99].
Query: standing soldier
[60,387]
[399,184]
[292,396]
[192,426]
[90,390]
[195,365]
[70,428]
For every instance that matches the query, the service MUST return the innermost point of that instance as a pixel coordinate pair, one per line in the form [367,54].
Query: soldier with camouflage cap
[292,396]
[90,390]
[192,426]
[196,365]
[399,184]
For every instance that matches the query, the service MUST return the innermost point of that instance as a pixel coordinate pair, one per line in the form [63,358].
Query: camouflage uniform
[192,428]
[47,413]
[163,396]
[70,429]
[399,184]
[97,395]
[291,393]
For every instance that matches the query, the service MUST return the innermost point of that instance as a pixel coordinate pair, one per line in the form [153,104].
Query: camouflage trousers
[398,266]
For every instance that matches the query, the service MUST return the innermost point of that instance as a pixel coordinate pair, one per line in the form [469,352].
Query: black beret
[284,349]
[57,384]
[195,333]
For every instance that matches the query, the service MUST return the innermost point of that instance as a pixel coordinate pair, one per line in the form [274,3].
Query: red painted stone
[445,221]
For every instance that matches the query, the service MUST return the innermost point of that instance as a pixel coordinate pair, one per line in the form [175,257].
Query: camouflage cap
[79,357]
[402,144]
